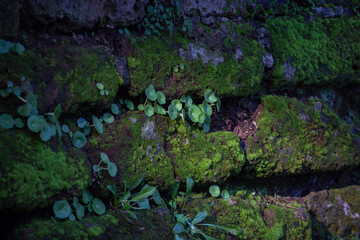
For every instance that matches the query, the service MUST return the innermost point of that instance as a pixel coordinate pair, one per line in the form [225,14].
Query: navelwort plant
[111,167]
[62,209]
[183,107]
[47,125]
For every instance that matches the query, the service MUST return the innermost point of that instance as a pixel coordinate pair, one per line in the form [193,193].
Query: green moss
[31,172]
[87,67]
[154,224]
[156,58]
[205,157]
[294,138]
[168,152]
[324,51]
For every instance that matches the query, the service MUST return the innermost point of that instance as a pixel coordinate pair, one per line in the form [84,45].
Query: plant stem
[22,99]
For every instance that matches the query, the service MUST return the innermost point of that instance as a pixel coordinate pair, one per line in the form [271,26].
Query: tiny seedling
[111,167]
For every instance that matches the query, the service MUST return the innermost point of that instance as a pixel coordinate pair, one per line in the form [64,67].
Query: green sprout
[214,190]
[102,89]
[111,167]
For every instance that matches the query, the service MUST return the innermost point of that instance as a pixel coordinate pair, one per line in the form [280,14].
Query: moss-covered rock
[154,224]
[154,59]
[33,173]
[163,150]
[337,212]
[321,52]
[259,218]
[299,137]
[66,75]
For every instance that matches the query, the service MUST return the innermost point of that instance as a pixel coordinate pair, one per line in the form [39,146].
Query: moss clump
[295,137]
[79,72]
[324,51]
[258,218]
[31,172]
[154,224]
[155,58]
[206,158]
[162,151]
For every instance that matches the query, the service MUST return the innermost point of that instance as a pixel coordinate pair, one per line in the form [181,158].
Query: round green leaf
[108,118]
[98,206]
[160,110]
[19,123]
[46,131]
[225,195]
[10,84]
[71,217]
[177,104]
[207,109]
[35,123]
[206,127]
[106,92]
[4,93]
[96,168]
[104,158]
[81,122]
[17,91]
[112,169]
[210,96]
[31,99]
[194,113]
[182,66]
[61,209]
[129,104]
[202,117]
[115,109]
[161,97]
[214,190]
[149,110]
[102,92]
[141,107]
[100,86]
[98,125]
[87,130]
[176,69]
[52,129]
[150,92]
[5,46]
[79,139]
[19,48]
[6,121]
[65,128]
[188,101]
[87,196]
[80,211]
[173,113]
[75,202]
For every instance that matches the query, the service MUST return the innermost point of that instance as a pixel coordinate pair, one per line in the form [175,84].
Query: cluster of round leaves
[183,108]
[62,208]
[215,192]
[6,47]
[111,167]
[102,89]
[47,125]
[159,18]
